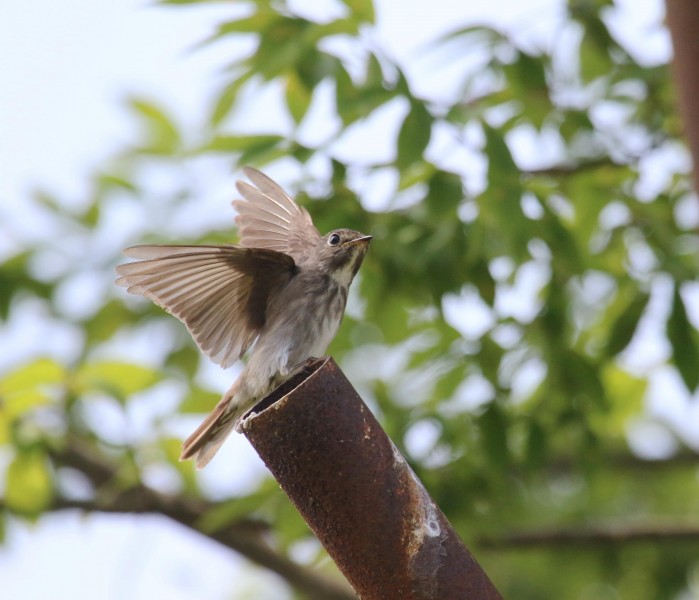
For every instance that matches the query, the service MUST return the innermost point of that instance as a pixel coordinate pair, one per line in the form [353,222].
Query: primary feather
[213,290]
[269,218]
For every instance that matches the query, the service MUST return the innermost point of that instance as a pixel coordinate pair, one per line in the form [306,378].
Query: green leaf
[357,100]
[301,153]
[530,72]
[47,200]
[92,215]
[391,314]
[559,235]
[6,425]
[235,509]
[625,326]
[257,22]
[109,319]
[626,394]
[284,43]
[506,227]
[318,31]
[223,514]
[24,389]
[227,98]
[288,523]
[414,135]
[537,446]
[116,378]
[362,10]
[581,377]
[39,372]
[172,449]
[475,35]
[162,136]
[112,180]
[374,77]
[493,427]
[526,78]
[503,173]
[265,153]
[28,485]
[574,122]
[241,143]
[199,400]
[445,193]
[298,96]
[595,60]
[448,382]
[684,347]
[185,359]
[15,277]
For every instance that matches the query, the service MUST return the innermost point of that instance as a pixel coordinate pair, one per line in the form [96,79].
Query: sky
[67,68]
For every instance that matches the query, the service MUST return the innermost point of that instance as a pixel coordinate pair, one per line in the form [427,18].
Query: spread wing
[219,292]
[269,218]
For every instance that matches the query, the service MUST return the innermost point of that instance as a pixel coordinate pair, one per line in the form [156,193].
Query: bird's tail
[206,440]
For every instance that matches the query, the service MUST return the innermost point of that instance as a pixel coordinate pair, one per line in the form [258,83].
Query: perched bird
[284,287]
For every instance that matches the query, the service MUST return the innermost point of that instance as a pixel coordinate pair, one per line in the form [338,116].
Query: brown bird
[283,287]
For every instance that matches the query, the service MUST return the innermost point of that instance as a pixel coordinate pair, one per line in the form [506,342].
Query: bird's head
[340,253]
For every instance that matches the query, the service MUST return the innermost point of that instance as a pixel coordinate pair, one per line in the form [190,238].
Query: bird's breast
[325,305]
[303,319]
[330,318]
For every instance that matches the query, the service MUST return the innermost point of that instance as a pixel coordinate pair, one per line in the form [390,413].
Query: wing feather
[269,218]
[220,293]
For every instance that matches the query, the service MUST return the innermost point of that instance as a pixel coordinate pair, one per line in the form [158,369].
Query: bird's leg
[291,372]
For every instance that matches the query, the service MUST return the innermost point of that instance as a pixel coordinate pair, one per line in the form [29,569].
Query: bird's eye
[334,239]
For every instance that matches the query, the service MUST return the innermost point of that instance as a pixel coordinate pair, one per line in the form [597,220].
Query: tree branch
[595,536]
[563,169]
[242,536]
[683,21]
[627,461]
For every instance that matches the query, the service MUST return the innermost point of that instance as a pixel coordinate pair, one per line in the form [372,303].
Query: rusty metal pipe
[358,494]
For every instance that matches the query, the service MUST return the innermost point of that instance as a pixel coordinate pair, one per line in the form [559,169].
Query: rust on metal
[358,494]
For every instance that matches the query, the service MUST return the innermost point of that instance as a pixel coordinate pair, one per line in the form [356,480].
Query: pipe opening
[307,370]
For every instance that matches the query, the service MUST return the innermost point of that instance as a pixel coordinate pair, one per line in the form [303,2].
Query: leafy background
[524,326]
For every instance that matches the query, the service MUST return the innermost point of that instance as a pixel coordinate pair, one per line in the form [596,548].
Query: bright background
[66,69]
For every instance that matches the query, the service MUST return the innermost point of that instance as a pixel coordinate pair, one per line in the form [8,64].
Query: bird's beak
[365,239]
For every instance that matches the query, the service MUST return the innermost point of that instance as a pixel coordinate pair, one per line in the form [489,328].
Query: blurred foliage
[493,319]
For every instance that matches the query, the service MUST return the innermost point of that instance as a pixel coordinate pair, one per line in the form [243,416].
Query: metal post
[358,494]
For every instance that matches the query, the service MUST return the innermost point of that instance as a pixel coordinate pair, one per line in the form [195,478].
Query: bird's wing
[219,292]
[269,218]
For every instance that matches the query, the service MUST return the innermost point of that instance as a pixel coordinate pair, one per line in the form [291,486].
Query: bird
[279,295]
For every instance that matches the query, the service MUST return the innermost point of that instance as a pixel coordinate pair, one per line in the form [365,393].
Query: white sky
[65,69]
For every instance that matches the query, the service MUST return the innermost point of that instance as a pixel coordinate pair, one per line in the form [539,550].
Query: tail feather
[206,440]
